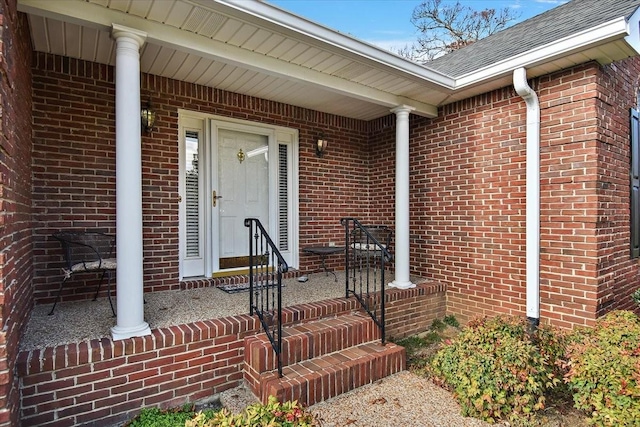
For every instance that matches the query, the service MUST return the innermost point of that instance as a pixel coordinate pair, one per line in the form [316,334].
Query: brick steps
[321,359]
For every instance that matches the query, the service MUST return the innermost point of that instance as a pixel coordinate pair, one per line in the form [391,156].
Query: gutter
[616,29]
[532,195]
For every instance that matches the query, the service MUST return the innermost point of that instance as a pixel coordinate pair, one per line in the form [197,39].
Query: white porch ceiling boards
[254,48]
[206,44]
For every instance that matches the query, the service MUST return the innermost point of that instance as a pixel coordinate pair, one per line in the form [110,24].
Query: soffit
[234,52]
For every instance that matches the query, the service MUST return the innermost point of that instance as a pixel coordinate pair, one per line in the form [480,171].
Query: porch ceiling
[260,50]
[216,44]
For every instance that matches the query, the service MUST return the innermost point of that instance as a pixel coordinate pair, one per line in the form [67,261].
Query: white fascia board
[615,29]
[633,39]
[96,16]
[301,26]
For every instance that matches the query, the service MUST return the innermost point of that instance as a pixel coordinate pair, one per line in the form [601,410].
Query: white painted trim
[263,14]
[96,16]
[574,43]
[215,123]
[292,256]
[633,39]
[188,121]
[532,193]
[312,31]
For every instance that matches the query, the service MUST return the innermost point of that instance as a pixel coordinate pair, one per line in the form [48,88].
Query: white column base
[402,285]
[122,333]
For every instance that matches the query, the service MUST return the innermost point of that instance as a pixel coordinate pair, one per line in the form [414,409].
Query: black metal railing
[366,255]
[266,266]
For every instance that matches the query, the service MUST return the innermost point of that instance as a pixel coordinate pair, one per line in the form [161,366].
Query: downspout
[532,195]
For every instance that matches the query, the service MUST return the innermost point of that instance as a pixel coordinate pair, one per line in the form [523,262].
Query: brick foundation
[102,383]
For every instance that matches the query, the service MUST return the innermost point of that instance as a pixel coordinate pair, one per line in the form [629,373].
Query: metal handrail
[365,259]
[266,264]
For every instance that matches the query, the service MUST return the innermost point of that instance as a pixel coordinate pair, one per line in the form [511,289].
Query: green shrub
[636,297]
[273,414]
[451,321]
[498,370]
[154,417]
[604,369]
[437,325]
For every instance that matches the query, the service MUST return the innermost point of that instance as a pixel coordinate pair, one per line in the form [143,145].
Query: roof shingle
[555,24]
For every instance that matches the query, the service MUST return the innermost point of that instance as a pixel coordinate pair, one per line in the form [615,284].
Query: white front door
[241,191]
[231,170]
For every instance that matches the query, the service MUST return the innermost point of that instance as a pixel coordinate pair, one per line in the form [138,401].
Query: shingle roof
[555,24]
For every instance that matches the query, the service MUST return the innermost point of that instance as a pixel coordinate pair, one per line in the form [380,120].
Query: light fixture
[148,117]
[321,145]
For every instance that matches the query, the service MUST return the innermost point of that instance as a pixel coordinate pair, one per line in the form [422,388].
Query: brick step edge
[309,340]
[330,375]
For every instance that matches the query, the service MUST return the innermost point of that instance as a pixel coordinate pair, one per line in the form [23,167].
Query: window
[192,191]
[283,197]
[635,183]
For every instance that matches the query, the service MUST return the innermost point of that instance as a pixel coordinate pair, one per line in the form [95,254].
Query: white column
[402,279]
[130,300]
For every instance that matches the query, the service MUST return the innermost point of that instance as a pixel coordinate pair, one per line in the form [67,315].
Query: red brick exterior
[468,197]
[618,276]
[467,178]
[15,199]
[74,165]
[467,207]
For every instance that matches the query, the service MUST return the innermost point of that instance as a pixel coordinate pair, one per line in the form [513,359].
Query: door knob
[214,198]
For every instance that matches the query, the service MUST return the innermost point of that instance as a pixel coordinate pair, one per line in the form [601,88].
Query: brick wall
[467,203]
[467,178]
[74,165]
[618,276]
[382,159]
[467,197]
[15,199]
[569,195]
[102,382]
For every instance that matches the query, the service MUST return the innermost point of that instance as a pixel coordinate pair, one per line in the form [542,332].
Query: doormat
[242,287]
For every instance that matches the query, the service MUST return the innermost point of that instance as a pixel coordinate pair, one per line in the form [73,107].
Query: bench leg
[108,273]
[109,292]
[58,296]
[95,297]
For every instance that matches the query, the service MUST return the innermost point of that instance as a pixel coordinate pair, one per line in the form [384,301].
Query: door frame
[277,136]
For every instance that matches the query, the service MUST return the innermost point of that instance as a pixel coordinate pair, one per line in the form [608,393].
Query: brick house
[503,169]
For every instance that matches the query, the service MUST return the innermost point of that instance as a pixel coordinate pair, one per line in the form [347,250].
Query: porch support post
[402,279]
[130,300]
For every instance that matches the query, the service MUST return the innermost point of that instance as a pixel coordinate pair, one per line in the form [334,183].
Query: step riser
[307,341]
[316,386]
[321,360]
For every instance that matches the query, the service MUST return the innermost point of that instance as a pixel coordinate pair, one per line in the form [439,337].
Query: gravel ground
[84,320]
[403,399]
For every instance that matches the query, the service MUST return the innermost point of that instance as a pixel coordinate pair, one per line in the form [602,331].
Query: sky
[387,23]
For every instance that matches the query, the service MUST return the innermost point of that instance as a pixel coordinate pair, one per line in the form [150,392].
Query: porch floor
[85,320]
